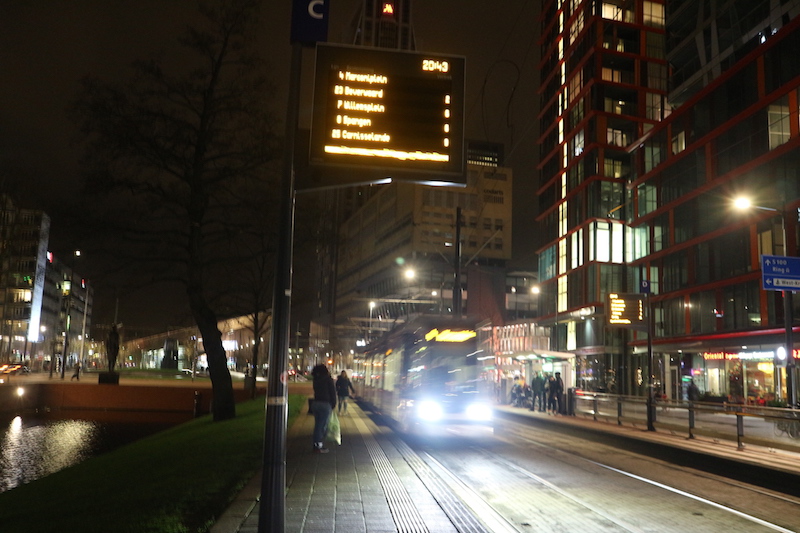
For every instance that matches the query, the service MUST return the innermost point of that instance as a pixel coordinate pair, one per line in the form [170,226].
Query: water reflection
[37,449]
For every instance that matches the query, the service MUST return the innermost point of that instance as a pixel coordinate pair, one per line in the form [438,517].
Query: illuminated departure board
[626,310]
[387,113]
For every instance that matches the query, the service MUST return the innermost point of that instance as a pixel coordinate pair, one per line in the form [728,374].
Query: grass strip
[179,480]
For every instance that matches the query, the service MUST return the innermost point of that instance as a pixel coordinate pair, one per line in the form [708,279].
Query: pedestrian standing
[693,391]
[555,389]
[323,404]
[343,389]
[549,386]
[556,393]
[537,387]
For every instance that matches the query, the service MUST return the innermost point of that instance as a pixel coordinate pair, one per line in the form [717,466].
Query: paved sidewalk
[363,486]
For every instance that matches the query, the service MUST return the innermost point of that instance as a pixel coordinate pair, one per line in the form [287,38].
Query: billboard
[382,114]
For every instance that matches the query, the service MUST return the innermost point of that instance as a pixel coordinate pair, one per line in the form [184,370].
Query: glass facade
[637,179]
[732,137]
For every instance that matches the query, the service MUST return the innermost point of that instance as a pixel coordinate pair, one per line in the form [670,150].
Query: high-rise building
[398,256]
[384,24]
[603,85]
[656,116]
[708,38]
[735,133]
[40,297]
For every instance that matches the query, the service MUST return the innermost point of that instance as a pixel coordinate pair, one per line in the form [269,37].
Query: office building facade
[604,84]
[41,297]
[655,117]
[735,134]
[398,255]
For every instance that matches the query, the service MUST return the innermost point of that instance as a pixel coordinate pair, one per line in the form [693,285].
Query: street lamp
[743,203]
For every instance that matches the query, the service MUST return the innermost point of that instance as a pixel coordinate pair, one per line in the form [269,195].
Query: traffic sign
[779,273]
[309,21]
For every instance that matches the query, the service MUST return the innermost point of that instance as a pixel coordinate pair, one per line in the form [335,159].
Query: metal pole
[67,325]
[457,277]
[272,510]
[788,318]
[651,406]
[83,328]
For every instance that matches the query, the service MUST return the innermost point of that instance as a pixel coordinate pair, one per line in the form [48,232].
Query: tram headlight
[429,411]
[479,412]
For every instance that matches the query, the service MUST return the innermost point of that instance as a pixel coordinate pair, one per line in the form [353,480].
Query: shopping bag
[334,429]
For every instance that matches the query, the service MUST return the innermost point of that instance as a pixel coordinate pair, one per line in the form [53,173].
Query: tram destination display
[382,114]
[626,310]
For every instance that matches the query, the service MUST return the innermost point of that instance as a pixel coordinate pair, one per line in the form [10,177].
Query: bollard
[739,431]
[197,398]
[571,400]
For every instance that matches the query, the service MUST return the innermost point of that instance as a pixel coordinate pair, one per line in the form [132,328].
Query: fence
[772,427]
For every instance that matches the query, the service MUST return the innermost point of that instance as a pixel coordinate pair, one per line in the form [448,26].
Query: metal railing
[772,427]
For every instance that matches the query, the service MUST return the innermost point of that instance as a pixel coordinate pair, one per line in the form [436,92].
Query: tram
[427,374]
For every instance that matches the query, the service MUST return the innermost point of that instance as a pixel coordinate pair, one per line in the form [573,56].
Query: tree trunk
[223,405]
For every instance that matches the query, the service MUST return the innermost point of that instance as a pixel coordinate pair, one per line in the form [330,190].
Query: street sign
[309,21]
[644,286]
[780,273]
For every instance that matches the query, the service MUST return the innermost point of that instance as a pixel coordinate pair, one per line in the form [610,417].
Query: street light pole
[788,317]
[369,335]
[410,273]
[83,327]
[788,307]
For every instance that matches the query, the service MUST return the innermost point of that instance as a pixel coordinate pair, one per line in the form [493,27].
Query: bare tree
[181,157]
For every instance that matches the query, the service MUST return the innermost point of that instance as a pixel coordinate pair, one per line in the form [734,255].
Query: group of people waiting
[546,393]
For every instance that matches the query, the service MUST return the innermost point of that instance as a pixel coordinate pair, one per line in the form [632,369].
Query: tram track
[518,484]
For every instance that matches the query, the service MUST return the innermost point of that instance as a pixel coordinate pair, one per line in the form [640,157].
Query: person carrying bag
[323,405]
[334,429]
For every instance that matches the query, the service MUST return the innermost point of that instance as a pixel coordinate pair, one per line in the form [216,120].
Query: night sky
[46,47]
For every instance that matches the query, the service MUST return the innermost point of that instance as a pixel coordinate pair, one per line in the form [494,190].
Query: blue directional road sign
[779,273]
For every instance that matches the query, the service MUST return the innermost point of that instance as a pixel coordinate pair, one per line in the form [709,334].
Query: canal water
[32,448]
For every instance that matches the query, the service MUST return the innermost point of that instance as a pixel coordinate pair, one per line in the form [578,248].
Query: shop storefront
[739,377]
[516,352]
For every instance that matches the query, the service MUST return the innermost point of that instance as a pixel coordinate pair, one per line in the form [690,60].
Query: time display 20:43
[435,65]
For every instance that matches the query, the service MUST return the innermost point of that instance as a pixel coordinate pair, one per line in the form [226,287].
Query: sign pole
[788,318]
[651,406]
[782,273]
[272,510]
